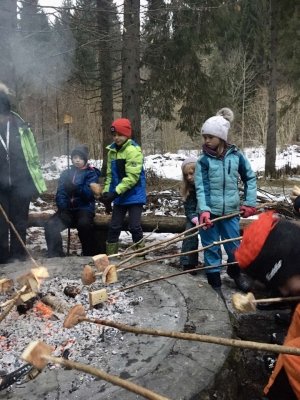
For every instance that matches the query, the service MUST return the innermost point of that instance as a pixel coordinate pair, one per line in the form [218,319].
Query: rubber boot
[139,246]
[112,248]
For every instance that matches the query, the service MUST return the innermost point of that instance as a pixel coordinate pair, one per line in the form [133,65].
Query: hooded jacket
[20,167]
[82,197]
[125,173]
[216,182]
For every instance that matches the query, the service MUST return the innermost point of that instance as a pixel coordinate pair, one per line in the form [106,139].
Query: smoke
[41,52]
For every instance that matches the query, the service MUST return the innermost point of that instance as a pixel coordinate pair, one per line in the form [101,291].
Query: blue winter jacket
[125,173]
[82,198]
[216,181]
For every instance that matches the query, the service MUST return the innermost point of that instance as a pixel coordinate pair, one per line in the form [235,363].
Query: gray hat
[82,151]
[189,160]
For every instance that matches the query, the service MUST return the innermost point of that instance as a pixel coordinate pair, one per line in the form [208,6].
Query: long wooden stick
[276,299]
[179,254]
[12,302]
[18,236]
[115,380]
[163,277]
[165,243]
[245,344]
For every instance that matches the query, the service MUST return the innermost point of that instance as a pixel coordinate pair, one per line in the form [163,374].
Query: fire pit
[175,369]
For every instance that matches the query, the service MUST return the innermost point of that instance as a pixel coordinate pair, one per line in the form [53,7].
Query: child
[190,209]
[216,181]
[125,185]
[270,253]
[76,205]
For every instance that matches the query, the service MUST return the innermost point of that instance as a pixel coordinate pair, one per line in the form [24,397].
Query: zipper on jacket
[229,167]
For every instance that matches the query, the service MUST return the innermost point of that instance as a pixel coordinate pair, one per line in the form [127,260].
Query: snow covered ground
[168,165]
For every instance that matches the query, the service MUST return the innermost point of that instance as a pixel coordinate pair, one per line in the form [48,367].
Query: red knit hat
[122,126]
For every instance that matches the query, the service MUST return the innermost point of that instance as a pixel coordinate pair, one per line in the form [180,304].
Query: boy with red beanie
[270,253]
[125,185]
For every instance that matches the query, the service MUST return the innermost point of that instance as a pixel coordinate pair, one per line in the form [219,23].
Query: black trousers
[82,220]
[16,205]
[134,222]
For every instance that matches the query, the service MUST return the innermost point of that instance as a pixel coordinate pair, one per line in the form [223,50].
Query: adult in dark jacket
[76,205]
[270,253]
[20,178]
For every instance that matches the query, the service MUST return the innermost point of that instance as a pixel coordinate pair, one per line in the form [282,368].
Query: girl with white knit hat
[217,174]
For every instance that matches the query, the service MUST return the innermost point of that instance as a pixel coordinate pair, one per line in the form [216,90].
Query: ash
[86,342]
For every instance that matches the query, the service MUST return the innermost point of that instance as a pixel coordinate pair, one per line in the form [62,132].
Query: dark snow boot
[242,283]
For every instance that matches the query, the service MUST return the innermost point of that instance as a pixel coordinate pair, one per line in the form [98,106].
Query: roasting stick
[165,243]
[101,295]
[11,303]
[38,354]
[18,236]
[88,276]
[77,314]
[247,302]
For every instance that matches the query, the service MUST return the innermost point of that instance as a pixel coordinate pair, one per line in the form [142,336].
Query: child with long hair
[217,174]
[190,209]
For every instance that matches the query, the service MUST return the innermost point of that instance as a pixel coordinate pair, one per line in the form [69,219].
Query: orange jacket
[291,364]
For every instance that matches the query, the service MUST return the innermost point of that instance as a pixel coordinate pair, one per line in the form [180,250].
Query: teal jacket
[216,182]
[125,173]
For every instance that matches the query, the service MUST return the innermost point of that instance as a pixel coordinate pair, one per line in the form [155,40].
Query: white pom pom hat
[218,125]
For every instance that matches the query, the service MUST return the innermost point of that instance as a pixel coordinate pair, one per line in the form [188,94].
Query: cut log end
[243,302]
[88,275]
[73,317]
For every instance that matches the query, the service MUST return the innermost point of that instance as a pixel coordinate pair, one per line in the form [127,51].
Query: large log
[159,223]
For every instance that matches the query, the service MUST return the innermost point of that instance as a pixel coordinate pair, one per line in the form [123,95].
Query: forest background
[166,65]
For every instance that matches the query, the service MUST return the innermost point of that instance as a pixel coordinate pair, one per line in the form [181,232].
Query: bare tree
[131,103]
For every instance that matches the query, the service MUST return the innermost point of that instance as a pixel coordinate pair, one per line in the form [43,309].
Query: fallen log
[164,224]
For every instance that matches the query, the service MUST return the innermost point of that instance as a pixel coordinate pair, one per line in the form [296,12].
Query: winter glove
[205,219]
[195,220]
[247,211]
[70,188]
[108,197]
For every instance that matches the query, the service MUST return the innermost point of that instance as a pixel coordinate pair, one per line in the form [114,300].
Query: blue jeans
[221,230]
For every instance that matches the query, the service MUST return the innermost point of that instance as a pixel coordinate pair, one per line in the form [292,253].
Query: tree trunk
[131,66]
[105,67]
[270,161]
[8,22]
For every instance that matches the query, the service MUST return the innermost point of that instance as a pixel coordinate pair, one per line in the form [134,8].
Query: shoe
[242,283]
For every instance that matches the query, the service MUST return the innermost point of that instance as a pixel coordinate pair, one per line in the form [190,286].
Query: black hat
[82,151]
[270,250]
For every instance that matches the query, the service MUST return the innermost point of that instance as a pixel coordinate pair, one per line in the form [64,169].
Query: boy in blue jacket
[76,205]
